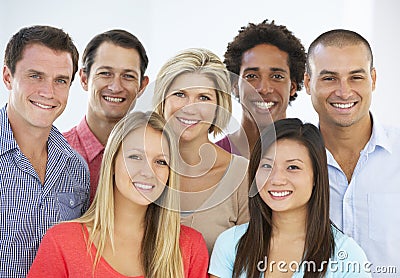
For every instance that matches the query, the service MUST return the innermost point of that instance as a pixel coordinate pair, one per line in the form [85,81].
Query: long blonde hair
[161,255]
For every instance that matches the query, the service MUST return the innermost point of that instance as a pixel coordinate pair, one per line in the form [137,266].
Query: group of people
[149,194]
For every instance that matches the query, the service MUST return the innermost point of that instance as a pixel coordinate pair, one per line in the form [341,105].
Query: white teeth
[343,105]
[280,194]
[114,99]
[143,186]
[188,122]
[263,105]
[42,105]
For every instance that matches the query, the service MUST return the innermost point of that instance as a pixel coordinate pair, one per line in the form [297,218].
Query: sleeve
[198,258]
[243,202]
[223,255]
[49,261]
[350,260]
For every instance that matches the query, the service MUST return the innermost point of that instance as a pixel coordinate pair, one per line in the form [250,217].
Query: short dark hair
[120,38]
[268,33]
[51,37]
[338,38]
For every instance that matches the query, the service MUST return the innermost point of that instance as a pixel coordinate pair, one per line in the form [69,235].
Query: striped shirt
[28,207]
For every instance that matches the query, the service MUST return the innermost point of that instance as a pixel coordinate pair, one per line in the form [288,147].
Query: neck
[289,224]
[100,128]
[352,138]
[26,134]
[128,217]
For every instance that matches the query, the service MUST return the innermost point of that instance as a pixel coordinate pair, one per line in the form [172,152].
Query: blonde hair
[202,61]
[161,255]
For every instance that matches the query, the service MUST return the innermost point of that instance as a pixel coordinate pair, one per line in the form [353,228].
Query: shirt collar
[8,142]
[89,141]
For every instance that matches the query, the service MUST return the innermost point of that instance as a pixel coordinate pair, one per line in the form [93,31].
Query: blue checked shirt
[28,207]
[368,208]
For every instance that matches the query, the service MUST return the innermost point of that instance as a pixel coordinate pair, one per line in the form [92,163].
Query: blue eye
[204,98]
[179,94]
[266,166]
[134,156]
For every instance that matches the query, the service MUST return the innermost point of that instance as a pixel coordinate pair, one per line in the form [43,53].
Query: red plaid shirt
[89,147]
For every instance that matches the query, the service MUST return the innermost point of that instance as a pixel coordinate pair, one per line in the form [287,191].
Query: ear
[7,78]
[235,90]
[293,88]
[84,79]
[307,83]
[373,77]
[143,85]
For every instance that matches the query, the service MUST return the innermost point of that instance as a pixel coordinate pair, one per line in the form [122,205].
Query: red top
[63,253]
[82,139]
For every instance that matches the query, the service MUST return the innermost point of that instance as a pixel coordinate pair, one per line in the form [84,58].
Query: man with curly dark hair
[267,63]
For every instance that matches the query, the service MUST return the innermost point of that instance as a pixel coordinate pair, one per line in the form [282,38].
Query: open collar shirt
[82,139]
[28,207]
[368,208]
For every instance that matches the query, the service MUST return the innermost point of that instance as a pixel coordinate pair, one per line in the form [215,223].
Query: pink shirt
[82,139]
[63,253]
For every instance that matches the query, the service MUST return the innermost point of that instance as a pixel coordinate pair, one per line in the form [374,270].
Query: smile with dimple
[113,99]
[280,193]
[343,105]
[187,121]
[263,104]
[44,106]
[143,186]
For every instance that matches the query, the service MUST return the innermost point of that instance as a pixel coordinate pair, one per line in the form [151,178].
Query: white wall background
[166,27]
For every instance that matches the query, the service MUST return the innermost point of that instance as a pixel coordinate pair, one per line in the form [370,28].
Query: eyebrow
[61,76]
[328,72]
[111,68]
[143,151]
[274,69]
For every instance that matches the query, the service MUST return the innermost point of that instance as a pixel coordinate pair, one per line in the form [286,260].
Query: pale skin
[201,169]
[39,92]
[146,161]
[264,80]
[114,74]
[289,171]
[342,76]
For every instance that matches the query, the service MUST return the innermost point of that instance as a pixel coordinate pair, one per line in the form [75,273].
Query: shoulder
[346,247]
[65,231]
[189,234]
[71,135]
[233,234]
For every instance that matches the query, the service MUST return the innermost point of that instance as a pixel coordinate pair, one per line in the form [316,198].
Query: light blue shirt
[368,209]
[349,259]
[28,207]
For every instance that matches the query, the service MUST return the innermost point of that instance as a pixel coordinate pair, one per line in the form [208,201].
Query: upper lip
[42,103]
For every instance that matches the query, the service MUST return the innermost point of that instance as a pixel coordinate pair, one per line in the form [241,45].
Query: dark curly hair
[278,35]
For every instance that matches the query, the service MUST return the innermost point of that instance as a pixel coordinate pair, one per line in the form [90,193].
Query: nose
[48,89]
[277,176]
[264,86]
[344,91]
[146,170]
[115,86]
[189,106]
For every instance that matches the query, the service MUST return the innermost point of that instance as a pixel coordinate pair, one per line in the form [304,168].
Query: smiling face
[341,84]
[39,87]
[265,68]
[285,180]
[114,82]
[141,166]
[190,106]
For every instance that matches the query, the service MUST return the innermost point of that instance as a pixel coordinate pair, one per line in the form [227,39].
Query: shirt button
[71,202]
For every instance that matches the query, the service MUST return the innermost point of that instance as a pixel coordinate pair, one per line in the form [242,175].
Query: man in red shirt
[113,67]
